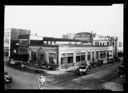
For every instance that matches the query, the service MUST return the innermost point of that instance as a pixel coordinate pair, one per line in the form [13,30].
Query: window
[107,43]
[113,43]
[93,56]
[89,56]
[110,53]
[22,50]
[103,44]
[107,54]
[33,55]
[70,59]
[82,57]
[97,55]
[77,58]
[102,54]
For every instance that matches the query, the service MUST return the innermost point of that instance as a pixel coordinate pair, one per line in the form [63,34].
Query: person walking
[42,82]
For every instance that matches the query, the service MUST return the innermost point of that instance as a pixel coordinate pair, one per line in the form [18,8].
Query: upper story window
[107,43]
[113,43]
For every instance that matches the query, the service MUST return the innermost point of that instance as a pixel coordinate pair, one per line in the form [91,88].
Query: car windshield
[82,67]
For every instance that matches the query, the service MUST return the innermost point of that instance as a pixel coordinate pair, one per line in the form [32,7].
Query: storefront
[40,55]
[77,55]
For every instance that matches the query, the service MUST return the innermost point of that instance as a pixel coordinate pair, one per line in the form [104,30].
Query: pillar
[106,54]
[99,55]
[59,60]
[74,58]
[29,58]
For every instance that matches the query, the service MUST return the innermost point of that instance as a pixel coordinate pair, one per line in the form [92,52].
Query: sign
[84,36]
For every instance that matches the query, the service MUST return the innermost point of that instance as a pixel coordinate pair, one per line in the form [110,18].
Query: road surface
[68,80]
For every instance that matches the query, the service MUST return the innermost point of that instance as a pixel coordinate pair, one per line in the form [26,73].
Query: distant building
[69,36]
[11,39]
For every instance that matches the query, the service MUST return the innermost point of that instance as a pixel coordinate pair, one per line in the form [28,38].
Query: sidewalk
[114,85]
[60,71]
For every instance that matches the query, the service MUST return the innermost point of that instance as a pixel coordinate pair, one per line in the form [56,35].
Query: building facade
[66,52]
[11,39]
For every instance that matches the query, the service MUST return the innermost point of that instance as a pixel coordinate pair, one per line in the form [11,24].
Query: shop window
[82,57]
[107,54]
[70,59]
[89,56]
[107,43]
[93,56]
[33,55]
[102,54]
[77,58]
[97,55]
[110,53]
[113,43]
[64,60]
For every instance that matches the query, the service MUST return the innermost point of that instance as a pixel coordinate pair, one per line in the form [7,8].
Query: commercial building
[68,52]
[63,52]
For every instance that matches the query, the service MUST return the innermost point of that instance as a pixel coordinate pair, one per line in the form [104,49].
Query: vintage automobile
[83,69]
[7,78]
[16,63]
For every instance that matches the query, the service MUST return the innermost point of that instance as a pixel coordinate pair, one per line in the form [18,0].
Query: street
[68,80]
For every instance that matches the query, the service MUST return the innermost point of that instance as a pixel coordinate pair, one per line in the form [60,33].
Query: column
[112,53]
[59,60]
[95,55]
[47,57]
[99,55]
[74,58]
[29,56]
[86,56]
[37,58]
[106,54]
[91,55]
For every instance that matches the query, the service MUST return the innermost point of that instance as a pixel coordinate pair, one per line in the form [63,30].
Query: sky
[54,21]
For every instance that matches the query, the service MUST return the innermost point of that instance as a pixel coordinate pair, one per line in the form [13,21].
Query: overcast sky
[57,20]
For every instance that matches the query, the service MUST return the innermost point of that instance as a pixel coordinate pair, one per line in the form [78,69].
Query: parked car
[7,78]
[83,69]
[11,62]
[16,63]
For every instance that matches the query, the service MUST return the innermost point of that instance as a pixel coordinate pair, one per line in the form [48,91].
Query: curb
[62,71]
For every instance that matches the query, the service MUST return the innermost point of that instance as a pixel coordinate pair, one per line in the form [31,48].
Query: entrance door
[41,59]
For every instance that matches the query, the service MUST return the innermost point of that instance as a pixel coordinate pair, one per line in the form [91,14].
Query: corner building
[68,52]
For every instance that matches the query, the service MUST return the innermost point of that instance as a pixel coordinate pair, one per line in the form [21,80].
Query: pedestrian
[42,81]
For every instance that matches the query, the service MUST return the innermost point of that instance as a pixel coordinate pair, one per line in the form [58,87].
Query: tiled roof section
[61,39]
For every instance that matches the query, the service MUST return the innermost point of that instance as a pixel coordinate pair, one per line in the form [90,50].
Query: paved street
[68,80]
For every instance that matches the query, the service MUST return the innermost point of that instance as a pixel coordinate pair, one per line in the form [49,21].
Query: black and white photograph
[64,47]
